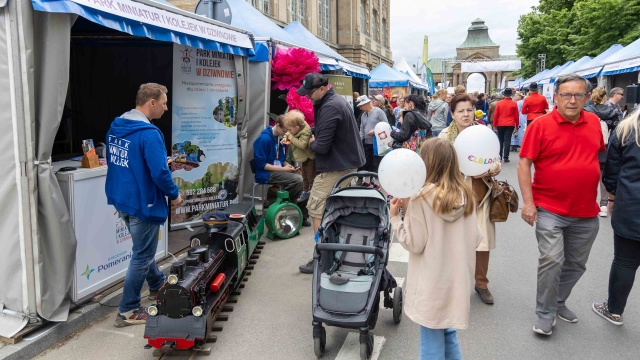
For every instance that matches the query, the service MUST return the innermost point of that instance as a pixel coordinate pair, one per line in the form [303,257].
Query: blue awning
[261,50]
[624,61]
[155,21]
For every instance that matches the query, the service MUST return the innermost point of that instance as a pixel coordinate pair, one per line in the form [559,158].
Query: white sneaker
[604,212]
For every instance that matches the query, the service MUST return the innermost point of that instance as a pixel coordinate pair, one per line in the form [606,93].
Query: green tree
[206,180]
[569,29]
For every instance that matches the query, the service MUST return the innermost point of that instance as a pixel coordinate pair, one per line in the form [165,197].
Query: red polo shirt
[565,158]
[506,113]
[534,105]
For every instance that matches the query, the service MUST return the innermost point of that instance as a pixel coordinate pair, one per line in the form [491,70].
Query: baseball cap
[379,97]
[311,82]
[363,99]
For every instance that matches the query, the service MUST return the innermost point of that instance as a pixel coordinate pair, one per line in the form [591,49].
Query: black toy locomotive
[198,286]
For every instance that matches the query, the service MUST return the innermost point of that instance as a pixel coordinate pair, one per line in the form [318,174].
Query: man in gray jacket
[370,117]
[336,143]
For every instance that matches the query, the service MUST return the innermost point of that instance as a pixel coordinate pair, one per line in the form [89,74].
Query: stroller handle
[351,248]
[358,174]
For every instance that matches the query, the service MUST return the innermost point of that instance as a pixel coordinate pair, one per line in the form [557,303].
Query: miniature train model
[197,287]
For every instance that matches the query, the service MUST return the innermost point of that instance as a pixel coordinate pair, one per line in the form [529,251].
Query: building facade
[478,46]
[357,29]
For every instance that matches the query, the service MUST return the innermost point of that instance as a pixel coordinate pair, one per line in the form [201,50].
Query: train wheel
[319,343]
[397,304]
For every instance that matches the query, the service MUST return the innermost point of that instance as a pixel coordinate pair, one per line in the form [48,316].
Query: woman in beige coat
[463,117]
[440,232]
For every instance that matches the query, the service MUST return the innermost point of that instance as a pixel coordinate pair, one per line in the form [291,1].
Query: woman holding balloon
[462,110]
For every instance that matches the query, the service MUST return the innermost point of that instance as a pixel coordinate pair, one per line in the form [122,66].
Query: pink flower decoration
[289,67]
[301,103]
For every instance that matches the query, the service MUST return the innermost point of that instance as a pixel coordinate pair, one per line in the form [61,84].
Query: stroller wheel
[319,343]
[397,305]
[366,346]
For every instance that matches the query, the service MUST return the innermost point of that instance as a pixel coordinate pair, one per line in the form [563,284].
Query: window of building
[374,25]
[298,11]
[263,5]
[324,18]
[383,35]
[363,17]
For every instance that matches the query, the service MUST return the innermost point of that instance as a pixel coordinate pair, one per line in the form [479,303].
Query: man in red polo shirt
[534,105]
[506,118]
[563,146]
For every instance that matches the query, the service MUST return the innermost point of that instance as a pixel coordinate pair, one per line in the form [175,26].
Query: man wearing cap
[560,197]
[534,105]
[336,143]
[506,118]
[370,117]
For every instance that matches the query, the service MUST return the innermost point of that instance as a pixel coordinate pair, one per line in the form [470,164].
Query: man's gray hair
[572,77]
[616,90]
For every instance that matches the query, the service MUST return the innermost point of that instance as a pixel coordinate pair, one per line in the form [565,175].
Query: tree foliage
[570,29]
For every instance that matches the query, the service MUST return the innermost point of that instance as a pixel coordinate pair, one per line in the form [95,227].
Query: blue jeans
[439,344]
[144,236]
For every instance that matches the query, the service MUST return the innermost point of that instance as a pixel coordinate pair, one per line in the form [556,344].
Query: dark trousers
[372,162]
[308,170]
[504,135]
[626,260]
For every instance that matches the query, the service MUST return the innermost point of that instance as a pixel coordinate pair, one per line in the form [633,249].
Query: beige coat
[487,228]
[300,145]
[441,265]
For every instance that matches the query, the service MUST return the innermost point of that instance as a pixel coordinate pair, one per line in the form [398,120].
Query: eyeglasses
[621,94]
[567,97]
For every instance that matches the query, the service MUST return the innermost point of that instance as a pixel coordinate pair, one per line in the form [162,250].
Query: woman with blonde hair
[437,112]
[462,111]
[622,181]
[440,232]
[608,115]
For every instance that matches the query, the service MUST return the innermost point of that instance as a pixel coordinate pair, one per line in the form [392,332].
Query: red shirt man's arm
[515,114]
[496,114]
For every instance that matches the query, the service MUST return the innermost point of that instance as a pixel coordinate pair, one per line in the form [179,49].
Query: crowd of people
[582,144]
[449,218]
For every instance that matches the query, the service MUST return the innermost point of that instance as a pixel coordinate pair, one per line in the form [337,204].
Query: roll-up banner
[481,66]
[204,143]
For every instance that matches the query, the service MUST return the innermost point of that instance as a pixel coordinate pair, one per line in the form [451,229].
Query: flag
[425,50]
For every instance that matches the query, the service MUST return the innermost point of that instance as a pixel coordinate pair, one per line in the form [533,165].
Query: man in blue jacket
[269,161]
[138,180]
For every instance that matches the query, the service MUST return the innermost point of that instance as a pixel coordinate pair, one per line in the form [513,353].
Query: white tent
[404,67]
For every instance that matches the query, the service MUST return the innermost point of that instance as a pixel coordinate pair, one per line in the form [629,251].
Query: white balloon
[402,173]
[478,149]
[383,132]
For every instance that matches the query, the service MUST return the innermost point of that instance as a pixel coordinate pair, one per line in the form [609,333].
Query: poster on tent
[547,91]
[342,85]
[388,92]
[204,139]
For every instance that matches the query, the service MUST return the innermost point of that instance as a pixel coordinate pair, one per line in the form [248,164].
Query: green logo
[87,272]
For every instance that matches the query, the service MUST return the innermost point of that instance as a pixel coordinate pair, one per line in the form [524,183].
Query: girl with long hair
[440,232]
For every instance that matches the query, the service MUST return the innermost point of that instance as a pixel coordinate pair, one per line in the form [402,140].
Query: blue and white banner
[204,146]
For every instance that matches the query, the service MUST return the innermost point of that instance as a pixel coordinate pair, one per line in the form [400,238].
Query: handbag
[504,199]
[605,132]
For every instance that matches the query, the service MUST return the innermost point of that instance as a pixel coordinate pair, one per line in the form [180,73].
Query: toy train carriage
[196,289]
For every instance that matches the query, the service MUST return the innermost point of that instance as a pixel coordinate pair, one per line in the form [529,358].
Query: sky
[446,24]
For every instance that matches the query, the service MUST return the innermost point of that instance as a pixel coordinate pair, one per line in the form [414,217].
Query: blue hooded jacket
[138,178]
[264,152]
